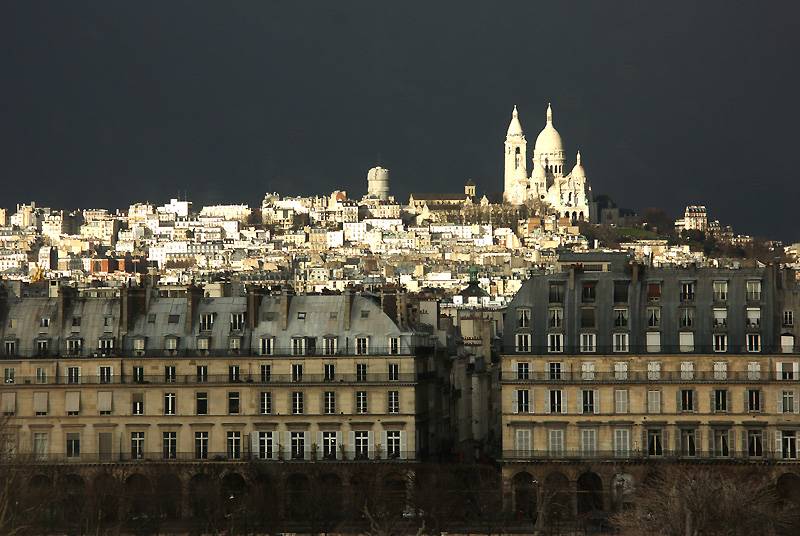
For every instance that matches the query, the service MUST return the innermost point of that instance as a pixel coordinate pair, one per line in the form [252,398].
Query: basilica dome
[549,140]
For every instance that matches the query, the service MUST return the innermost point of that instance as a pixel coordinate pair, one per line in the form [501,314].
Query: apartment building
[607,364]
[166,373]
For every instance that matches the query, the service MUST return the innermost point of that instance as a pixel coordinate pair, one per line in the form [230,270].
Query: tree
[693,501]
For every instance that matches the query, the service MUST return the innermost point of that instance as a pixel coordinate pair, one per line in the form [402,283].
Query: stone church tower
[516,169]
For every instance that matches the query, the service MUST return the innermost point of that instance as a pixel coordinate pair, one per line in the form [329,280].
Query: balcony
[243,456]
[607,350]
[637,376]
[637,454]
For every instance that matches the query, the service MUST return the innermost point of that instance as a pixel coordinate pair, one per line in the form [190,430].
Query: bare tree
[693,501]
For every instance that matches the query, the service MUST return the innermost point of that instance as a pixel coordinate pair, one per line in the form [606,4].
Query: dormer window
[44,322]
[74,345]
[237,321]
[171,343]
[76,321]
[365,314]
[523,318]
[138,344]
[206,321]
[171,319]
[298,346]
[362,345]
[11,347]
[203,343]
[266,346]
[301,315]
[394,345]
[329,345]
[105,345]
[235,344]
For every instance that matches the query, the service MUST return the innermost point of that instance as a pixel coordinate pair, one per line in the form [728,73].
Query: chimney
[193,296]
[286,299]
[348,305]
[133,302]
[65,296]
[254,296]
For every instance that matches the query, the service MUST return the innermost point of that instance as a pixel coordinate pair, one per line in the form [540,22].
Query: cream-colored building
[166,373]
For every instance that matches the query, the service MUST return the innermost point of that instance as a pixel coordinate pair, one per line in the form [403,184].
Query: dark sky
[670,103]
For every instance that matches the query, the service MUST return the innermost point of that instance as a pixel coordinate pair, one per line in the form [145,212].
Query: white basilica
[567,195]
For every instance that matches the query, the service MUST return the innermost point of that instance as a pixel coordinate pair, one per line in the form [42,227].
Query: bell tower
[516,169]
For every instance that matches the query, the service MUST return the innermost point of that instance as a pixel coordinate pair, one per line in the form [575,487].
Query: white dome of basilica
[549,140]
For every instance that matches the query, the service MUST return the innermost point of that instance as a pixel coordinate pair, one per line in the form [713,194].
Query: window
[105,345]
[622,442]
[555,442]
[44,322]
[653,317]
[687,370]
[589,401]
[753,317]
[523,318]
[588,317]
[788,319]
[394,345]
[11,348]
[554,370]
[234,344]
[720,341]
[40,445]
[788,445]
[329,402]
[169,403]
[206,321]
[393,444]
[620,370]
[301,315]
[720,400]
[237,321]
[76,321]
[137,403]
[755,443]
[297,403]
[555,342]
[621,318]
[588,292]
[361,372]
[555,317]
[265,405]
[722,443]
[361,402]
[588,342]
[297,372]
[620,291]
[621,401]
[787,371]
[171,343]
[361,446]
[686,317]
[104,374]
[329,372]
[687,402]
[753,342]
[298,346]
[653,401]
[266,346]
[201,445]
[233,373]
[720,291]
[329,345]
[654,370]
[266,372]
[201,403]
[171,319]
[787,402]
[654,443]
[73,375]
[588,442]
[233,402]
[720,317]
[753,370]
[41,375]
[587,370]
[72,402]
[169,442]
[523,371]
[556,399]
[137,445]
[394,402]
[362,345]
[202,373]
[265,445]
[169,374]
[653,291]
[9,375]
[753,400]
[653,341]
[754,291]
[523,342]
[42,346]
[394,372]
[73,445]
[329,445]
[720,370]
[688,442]
[522,401]
[556,293]
[687,291]
[686,341]
[620,342]
[234,445]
